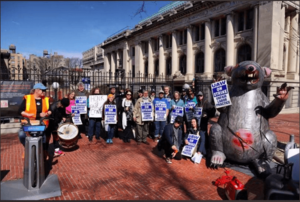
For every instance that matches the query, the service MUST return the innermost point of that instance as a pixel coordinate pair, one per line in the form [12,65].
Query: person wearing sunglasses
[35,106]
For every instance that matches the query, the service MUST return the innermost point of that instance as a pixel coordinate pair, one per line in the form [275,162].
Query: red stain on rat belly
[245,139]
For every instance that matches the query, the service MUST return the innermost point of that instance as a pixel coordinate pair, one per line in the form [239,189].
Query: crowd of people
[170,136]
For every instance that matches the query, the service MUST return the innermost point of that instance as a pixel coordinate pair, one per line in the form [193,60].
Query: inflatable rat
[242,133]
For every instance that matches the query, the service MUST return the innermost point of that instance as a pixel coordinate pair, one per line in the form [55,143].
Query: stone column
[230,40]
[138,59]
[106,63]
[113,62]
[294,35]
[208,68]
[190,70]
[150,58]
[125,58]
[174,53]
[281,38]
[162,62]
[254,51]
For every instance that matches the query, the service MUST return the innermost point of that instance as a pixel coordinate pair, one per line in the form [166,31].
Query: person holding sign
[190,103]
[142,114]
[82,92]
[110,118]
[194,130]
[176,107]
[208,111]
[172,140]
[161,106]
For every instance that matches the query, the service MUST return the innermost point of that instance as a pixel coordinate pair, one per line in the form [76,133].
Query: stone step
[10,128]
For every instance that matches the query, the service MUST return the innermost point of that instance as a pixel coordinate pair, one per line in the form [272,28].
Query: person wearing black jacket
[172,140]
[208,111]
[196,131]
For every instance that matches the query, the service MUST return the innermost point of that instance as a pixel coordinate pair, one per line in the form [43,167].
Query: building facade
[93,58]
[198,39]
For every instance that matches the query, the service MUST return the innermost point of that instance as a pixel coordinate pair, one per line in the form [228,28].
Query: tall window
[132,51]
[156,44]
[146,69]
[182,64]
[169,66]
[223,26]
[245,20]
[145,47]
[249,19]
[220,60]
[202,31]
[156,67]
[217,25]
[220,27]
[199,62]
[133,71]
[168,39]
[241,21]
[182,37]
[244,53]
[197,33]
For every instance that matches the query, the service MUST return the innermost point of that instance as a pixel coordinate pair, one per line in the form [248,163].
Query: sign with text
[76,119]
[80,102]
[188,111]
[220,94]
[96,104]
[189,150]
[160,111]
[146,110]
[177,111]
[198,112]
[110,112]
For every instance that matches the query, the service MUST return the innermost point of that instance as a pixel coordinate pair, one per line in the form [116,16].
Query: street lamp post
[55,86]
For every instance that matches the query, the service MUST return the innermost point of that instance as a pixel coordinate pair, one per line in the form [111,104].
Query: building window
[249,19]
[156,68]
[132,51]
[168,39]
[245,20]
[169,66]
[220,27]
[182,37]
[156,44]
[244,53]
[217,25]
[182,64]
[133,71]
[202,31]
[197,33]
[199,62]
[220,60]
[241,21]
[146,69]
[145,47]
[223,26]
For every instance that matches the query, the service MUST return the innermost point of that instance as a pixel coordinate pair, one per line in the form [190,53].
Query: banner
[110,114]
[146,110]
[80,102]
[76,119]
[11,96]
[177,111]
[96,104]
[188,112]
[188,150]
[198,112]
[220,94]
[160,111]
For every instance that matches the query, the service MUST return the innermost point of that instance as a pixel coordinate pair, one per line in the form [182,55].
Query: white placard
[81,104]
[188,150]
[160,111]
[177,111]
[188,112]
[76,119]
[198,112]
[146,110]
[96,104]
[110,112]
[220,94]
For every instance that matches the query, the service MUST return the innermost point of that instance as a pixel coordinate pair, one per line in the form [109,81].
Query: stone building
[93,58]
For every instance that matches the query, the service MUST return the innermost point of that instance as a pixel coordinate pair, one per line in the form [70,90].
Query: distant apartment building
[93,58]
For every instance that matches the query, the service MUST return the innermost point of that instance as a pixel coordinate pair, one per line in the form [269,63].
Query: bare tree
[74,62]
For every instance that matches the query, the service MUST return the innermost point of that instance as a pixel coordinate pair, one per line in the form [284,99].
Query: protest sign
[160,111]
[146,110]
[198,112]
[220,94]
[188,150]
[80,102]
[188,112]
[76,119]
[96,104]
[177,111]
[110,112]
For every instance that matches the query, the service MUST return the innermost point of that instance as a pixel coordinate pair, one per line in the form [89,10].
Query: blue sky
[67,27]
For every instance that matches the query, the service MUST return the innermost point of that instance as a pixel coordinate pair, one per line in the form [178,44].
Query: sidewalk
[127,171]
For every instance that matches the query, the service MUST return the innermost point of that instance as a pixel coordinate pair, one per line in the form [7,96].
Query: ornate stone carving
[243,40]
[178,75]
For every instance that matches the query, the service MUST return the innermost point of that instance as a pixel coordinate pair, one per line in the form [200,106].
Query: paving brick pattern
[127,171]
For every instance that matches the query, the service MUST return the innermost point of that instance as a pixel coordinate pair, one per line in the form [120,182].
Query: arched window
[244,53]
[182,64]
[199,62]
[169,66]
[156,67]
[220,60]
[146,72]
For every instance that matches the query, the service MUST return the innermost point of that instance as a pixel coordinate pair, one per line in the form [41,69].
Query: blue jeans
[22,137]
[111,130]
[92,123]
[159,127]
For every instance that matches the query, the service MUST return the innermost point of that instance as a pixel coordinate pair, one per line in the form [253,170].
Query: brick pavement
[125,171]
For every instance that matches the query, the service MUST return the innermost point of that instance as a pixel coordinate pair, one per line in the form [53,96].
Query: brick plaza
[127,171]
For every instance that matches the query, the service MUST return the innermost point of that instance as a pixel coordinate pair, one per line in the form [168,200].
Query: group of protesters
[170,133]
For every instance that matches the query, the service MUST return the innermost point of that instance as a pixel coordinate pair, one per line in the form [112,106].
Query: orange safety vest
[31,106]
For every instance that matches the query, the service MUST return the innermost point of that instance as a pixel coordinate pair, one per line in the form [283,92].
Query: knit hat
[179,119]
[65,102]
[110,95]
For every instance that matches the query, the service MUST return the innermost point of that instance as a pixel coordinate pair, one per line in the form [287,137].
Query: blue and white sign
[220,94]
[189,112]
[160,111]
[81,104]
[198,112]
[76,119]
[87,83]
[169,100]
[146,110]
[188,150]
[177,111]
[110,112]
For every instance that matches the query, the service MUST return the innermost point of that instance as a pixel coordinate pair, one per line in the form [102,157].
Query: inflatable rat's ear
[228,70]
[267,71]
